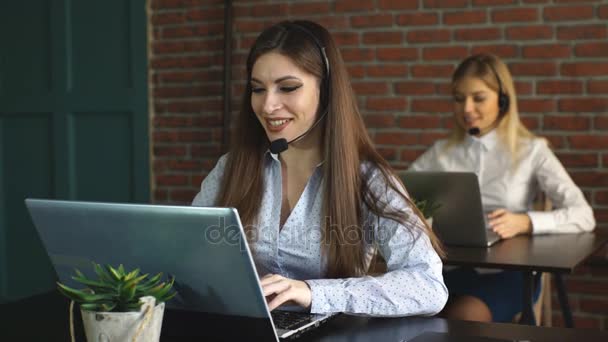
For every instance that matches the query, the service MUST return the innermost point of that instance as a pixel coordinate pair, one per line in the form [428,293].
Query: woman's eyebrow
[278,80]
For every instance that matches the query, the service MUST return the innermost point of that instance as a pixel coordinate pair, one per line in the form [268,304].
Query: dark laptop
[203,248]
[460,220]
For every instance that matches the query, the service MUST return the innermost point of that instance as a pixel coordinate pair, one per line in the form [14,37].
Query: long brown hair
[345,146]
[491,70]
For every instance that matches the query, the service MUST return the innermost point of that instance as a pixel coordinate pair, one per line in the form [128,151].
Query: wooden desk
[50,323]
[556,253]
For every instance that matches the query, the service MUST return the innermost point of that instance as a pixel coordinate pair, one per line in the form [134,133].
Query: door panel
[73,119]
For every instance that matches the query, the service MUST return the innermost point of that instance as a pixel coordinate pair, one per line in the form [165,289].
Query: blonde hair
[491,70]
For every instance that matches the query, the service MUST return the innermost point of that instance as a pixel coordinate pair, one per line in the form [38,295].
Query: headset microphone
[474,131]
[281,145]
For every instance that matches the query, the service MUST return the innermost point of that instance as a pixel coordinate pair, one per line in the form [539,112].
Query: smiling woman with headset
[316,199]
[512,166]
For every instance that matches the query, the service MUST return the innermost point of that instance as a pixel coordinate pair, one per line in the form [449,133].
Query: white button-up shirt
[413,284]
[514,189]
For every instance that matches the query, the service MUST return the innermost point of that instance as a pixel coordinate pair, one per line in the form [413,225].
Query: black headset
[503,99]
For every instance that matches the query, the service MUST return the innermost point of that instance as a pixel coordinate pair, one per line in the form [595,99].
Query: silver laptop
[203,248]
[460,220]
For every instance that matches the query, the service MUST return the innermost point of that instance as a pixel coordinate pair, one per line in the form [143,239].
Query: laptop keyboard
[289,320]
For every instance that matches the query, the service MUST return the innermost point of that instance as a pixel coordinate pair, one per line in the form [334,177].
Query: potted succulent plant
[428,208]
[120,305]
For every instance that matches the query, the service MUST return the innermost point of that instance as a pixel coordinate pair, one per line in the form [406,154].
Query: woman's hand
[507,224]
[279,290]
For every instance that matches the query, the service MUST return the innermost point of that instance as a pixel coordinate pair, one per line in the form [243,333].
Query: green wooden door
[73,119]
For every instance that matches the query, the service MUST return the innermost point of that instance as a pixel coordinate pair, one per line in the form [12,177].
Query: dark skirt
[502,291]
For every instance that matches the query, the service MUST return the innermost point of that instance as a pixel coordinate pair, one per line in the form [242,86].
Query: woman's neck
[304,154]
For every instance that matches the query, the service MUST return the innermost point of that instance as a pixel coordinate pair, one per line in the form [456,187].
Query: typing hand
[507,224]
[279,290]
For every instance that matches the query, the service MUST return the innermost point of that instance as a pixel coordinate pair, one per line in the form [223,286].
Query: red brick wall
[400,55]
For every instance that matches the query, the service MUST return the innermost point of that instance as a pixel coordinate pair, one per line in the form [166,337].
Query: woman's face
[475,105]
[284,97]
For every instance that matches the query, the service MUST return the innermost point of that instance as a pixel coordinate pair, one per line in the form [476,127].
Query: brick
[333,22]
[396,54]
[602,12]
[536,105]
[445,53]
[492,2]
[171,180]
[395,138]
[595,305]
[433,106]
[160,195]
[514,15]
[387,153]
[523,88]
[432,71]
[567,13]
[370,88]
[205,15]
[530,122]
[386,103]
[269,10]
[559,87]
[169,47]
[566,123]
[397,5]
[386,70]
[533,69]
[571,160]
[601,197]
[415,88]
[379,120]
[589,142]
[428,138]
[356,71]
[185,165]
[550,51]
[578,32]
[419,122]
[205,151]
[205,89]
[535,32]
[169,151]
[591,50]
[196,31]
[590,178]
[249,25]
[304,8]
[409,155]
[346,38]
[166,18]
[445,3]
[357,54]
[464,17]
[477,34]
[354,6]
[500,50]
[379,20]
[180,196]
[601,122]
[428,36]
[599,105]
[179,76]
[185,61]
[579,322]
[417,19]
[597,87]
[584,69]
[373,38]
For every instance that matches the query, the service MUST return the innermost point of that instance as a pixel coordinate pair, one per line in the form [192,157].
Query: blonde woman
[314,195]
[512,165]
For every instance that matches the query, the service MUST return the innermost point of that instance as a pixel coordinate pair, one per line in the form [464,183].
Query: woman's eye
[479,99]
[257,90]
[289,89]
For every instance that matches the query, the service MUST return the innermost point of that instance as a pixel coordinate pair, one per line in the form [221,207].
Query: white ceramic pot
[124,326]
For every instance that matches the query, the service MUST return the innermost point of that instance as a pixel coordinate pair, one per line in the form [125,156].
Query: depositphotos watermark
[305,236]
